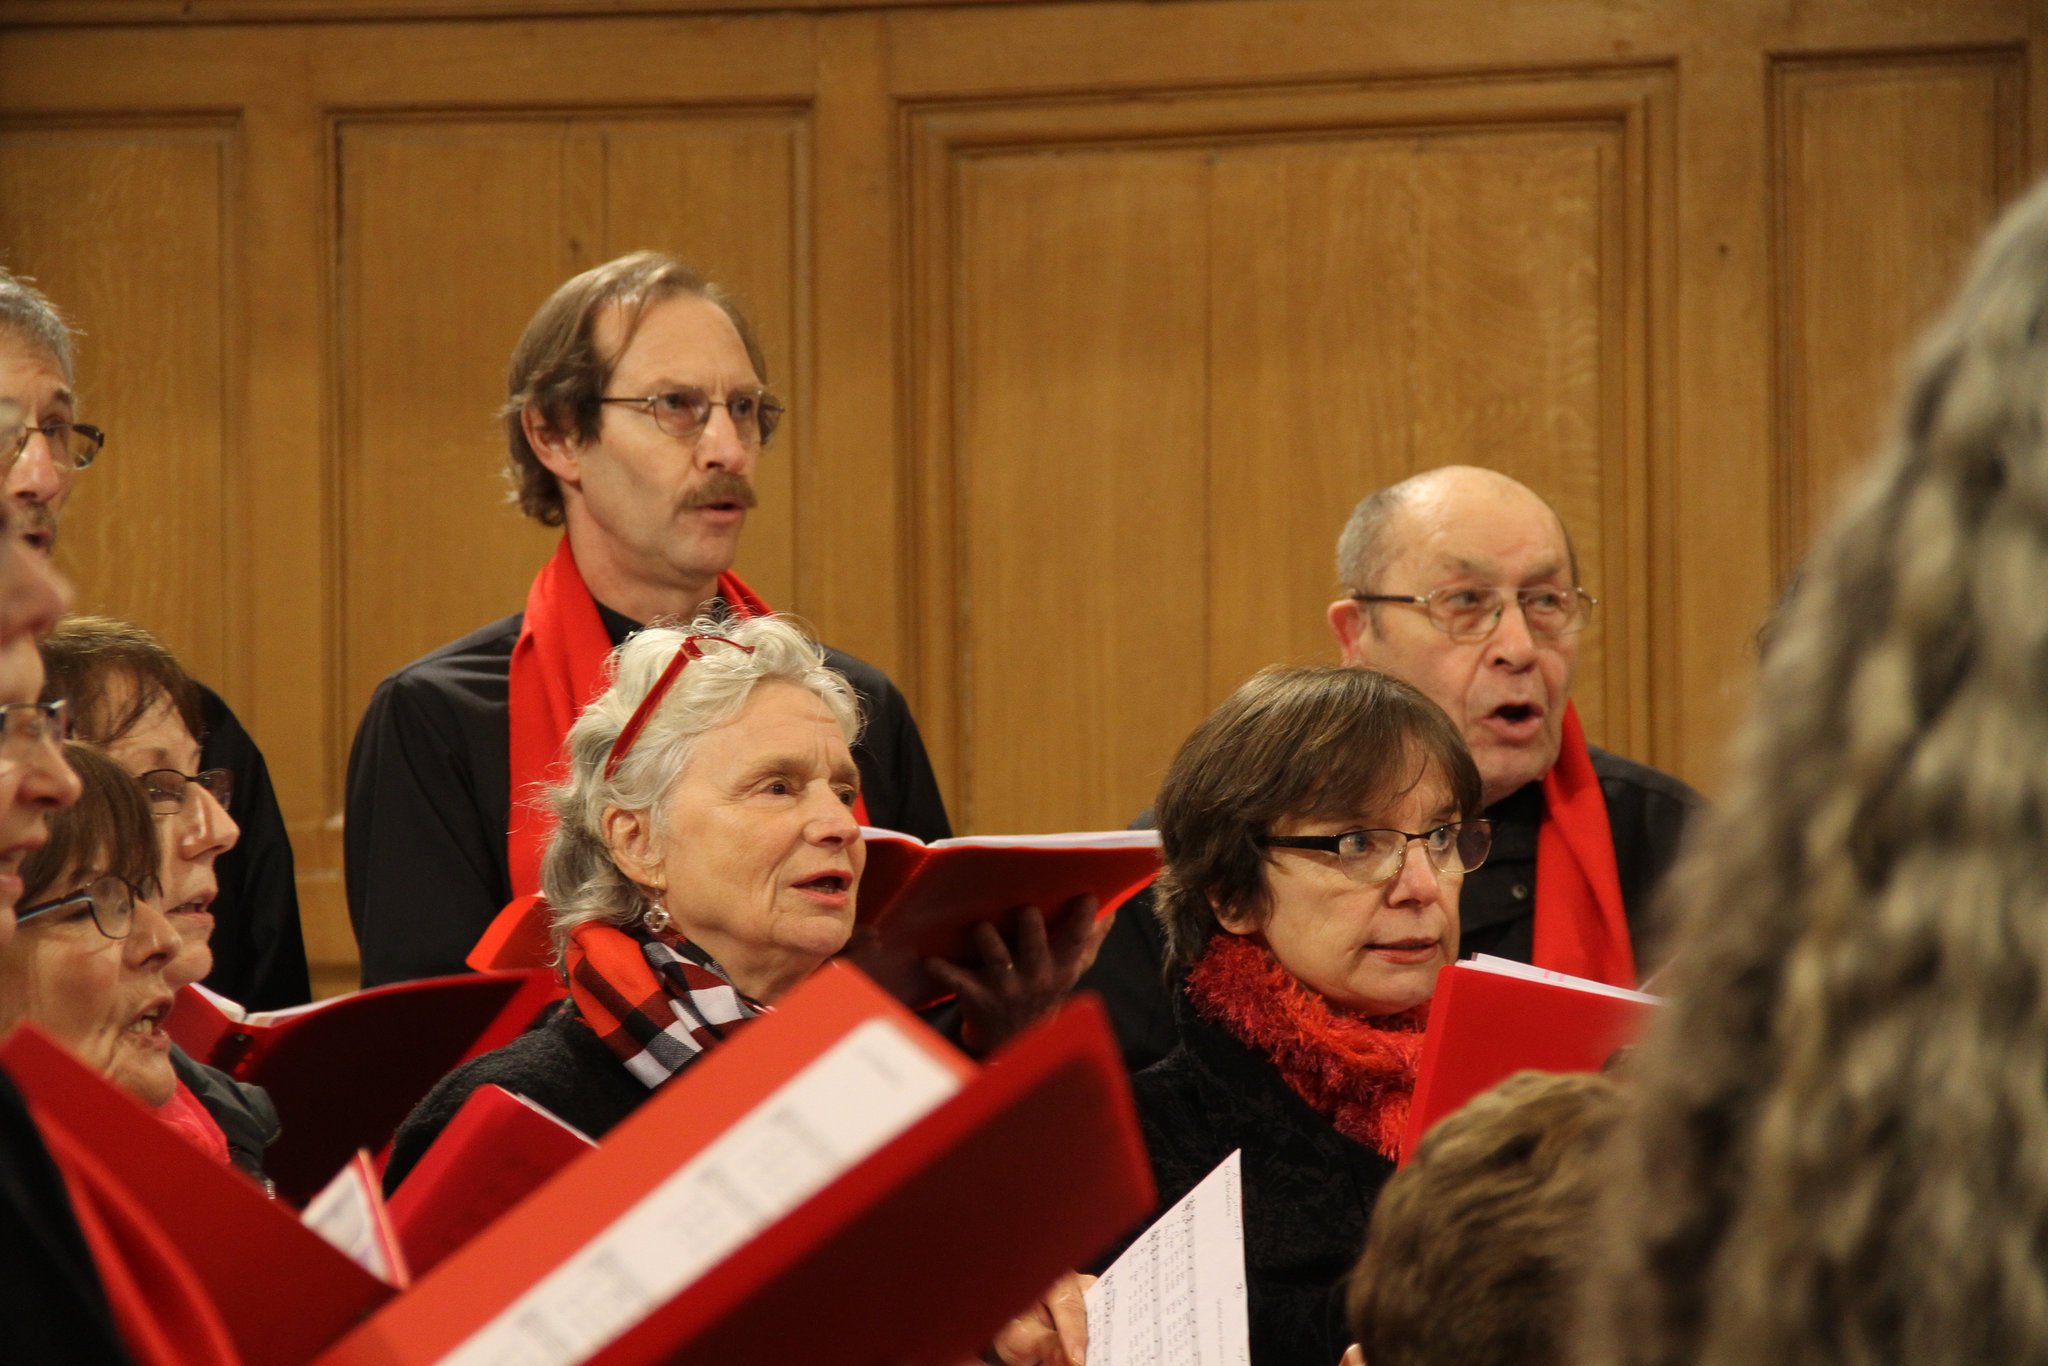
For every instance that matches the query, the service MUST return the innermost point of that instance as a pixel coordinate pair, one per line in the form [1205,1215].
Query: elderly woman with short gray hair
[705,860]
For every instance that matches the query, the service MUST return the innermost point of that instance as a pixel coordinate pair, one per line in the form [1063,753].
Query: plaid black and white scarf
[656,1000]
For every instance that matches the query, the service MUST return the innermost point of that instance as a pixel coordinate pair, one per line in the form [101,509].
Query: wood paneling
[126,225]
[1296,316]
[1889,170]
[453,232]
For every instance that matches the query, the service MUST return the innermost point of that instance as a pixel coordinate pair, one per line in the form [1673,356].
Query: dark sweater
[561,1066]
[1308,1190]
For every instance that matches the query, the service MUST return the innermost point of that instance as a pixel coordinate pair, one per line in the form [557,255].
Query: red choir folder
[919,900]
[497,1150]
[1490,1019]
[914,1254]
[282,1290]
[345,1072]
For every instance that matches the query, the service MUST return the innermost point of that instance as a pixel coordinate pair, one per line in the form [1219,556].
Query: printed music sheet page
[1177,1294]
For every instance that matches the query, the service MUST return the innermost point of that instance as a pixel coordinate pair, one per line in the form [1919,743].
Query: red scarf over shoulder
[557,670]
[1581,927]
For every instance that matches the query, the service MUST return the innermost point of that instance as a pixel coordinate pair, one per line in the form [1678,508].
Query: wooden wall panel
[1888,172]
[453,232]
[1082,459]
[126,226]
[1301,314]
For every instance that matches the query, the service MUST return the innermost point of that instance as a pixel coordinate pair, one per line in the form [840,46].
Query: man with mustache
[259,949]
[636,416]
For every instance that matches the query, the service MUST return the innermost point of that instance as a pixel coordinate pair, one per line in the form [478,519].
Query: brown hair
[559,370]
[107,830]
[111,672]
[1305,742]
[1478,1244]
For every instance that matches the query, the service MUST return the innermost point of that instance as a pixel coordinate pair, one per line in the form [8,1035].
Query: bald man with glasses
[1464,583]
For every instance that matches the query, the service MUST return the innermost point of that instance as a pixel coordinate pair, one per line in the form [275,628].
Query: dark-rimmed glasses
[72,444]
[167,788]
[1467,614]
[110,899]
[683,411]
[26,726]
[1372,856]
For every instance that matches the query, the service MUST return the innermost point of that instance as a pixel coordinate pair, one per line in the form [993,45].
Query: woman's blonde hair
[577,875]
[1841,1147]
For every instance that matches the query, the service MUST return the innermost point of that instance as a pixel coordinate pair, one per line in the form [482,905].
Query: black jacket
[1647,811]
[1308,1190]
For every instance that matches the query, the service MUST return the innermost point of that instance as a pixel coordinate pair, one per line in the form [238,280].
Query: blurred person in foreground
[705,860]
[1316,828]
[1837,1153]
[1479,1243]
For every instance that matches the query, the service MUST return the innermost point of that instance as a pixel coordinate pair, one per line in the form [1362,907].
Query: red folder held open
[1486,1024]
[282,1291]
[915,1254]
[344,1073]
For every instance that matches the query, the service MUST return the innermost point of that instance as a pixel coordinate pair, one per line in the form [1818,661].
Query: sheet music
[348,1213]
[1176,1297]
[1509,967]
[853,1098]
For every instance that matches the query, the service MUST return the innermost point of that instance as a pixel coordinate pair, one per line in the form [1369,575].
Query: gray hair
[578,876]
[25,310]
[1840,1146]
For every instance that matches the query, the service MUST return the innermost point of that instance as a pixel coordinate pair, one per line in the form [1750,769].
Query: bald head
[1461,527]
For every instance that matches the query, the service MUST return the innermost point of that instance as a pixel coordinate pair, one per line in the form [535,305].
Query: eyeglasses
[110,899]
[1372,856]
[26,726]
[166,788]
[683,411]
[1466,614]
[72,444]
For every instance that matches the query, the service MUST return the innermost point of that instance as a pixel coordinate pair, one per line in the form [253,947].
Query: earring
[657,918]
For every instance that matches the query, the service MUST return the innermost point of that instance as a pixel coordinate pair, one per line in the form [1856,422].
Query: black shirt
[429,796]
[1647,812]
[259,950]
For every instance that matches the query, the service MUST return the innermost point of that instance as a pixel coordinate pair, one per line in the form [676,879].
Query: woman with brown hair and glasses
[95,962]
[1316,829]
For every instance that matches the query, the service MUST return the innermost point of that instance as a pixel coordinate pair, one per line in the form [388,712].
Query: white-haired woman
[705,860]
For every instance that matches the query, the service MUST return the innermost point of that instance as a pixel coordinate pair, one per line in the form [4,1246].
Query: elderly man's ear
[1351,621]
[630,837]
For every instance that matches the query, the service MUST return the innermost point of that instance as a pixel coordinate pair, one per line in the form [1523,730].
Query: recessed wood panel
[1888,172]
[1383,306]
[453,233]
[123,227]
[1082,464]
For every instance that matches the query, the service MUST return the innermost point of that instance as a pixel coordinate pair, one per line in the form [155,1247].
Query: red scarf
[1357,1073]
[187,1114]
[161,1307]
[557,670]
[1581,927]
[656,1000]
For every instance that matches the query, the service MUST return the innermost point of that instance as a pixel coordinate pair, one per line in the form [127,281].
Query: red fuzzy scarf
[1357,1073]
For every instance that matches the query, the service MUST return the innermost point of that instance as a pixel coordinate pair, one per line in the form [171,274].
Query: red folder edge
[282,1290]
[1486,1026]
